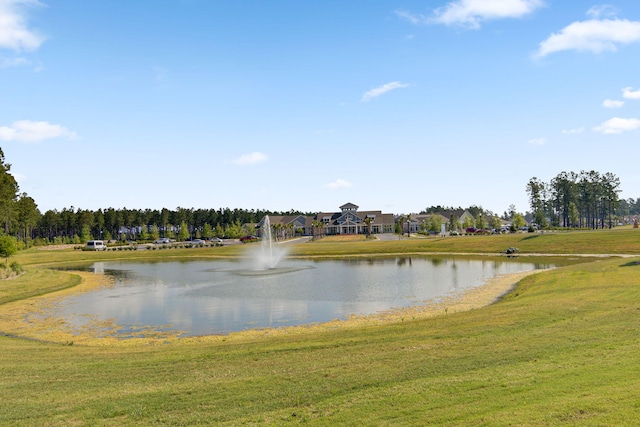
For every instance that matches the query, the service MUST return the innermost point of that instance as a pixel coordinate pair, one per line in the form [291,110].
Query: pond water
[218,297]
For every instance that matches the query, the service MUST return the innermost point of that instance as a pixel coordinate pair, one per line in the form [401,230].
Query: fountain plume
[269,255]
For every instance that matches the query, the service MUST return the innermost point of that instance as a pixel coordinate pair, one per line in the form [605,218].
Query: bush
[17,268]
[8,246]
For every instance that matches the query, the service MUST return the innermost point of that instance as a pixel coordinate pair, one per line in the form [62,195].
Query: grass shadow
[631,264]
[531,237]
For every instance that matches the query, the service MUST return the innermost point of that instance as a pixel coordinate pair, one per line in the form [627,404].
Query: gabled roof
[349,206]
[298,220]
[378,217]
[424,217]
[349,217]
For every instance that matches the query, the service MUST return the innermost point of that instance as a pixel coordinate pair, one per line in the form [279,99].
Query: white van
[95,245]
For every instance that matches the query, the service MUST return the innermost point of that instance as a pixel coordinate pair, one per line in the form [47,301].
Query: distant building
[416,222]
[348,221]
[351,221]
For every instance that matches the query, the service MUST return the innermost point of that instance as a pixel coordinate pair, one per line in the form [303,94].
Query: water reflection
[215,297]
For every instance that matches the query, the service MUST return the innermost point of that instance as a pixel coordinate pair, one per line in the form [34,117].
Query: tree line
[22,219]
[587,199]
[144,224]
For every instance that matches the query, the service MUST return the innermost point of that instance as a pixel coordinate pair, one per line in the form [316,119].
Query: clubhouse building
[349,220]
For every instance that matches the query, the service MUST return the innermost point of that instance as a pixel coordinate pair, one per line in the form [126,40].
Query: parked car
[216,241]
[246,239]
[95,245]
[197,242]
[162,241]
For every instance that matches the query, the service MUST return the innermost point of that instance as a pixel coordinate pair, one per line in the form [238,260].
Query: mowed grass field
[561,349]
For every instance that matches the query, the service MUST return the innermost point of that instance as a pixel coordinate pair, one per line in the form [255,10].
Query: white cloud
[412,17]
[618,125]
[537,141]
[471,13]
[339,183]
[611,103]
[373,93]
[592,36]
[602,10]
[629,93]
[251,158]
[20,178]
[30,131]
[14,33]
[14,62]
[573,131]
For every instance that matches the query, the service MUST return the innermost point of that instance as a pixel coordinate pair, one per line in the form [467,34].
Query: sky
[392,105]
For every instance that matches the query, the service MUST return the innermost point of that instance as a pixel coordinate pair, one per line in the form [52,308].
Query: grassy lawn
[561,349]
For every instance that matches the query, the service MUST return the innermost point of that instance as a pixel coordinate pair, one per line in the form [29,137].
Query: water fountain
[269,255]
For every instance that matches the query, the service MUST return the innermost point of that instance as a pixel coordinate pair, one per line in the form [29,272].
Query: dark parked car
[246,239]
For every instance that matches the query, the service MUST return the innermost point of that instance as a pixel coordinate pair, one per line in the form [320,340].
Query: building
[349,220]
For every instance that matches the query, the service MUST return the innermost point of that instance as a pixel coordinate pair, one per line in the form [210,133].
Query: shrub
[17,268]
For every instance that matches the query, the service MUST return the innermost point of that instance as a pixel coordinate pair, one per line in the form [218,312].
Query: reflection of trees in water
[400,261]
[371,260]
[436,261]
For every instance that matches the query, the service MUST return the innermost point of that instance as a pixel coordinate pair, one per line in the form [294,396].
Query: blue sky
[392,105]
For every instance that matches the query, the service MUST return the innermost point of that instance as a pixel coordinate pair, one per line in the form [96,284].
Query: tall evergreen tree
[27,215]
[8,193]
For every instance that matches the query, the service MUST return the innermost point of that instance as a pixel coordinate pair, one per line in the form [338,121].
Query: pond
[218,297]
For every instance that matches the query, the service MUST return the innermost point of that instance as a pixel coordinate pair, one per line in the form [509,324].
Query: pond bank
[26,319]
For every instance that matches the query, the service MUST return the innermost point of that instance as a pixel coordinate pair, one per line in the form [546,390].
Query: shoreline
[25,319]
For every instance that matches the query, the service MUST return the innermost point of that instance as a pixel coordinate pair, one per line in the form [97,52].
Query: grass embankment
[561,349]
[604,242]
[617,241]
[34,283]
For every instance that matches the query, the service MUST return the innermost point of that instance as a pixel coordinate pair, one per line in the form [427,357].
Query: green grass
[35,282]
[561,349]
[617,241]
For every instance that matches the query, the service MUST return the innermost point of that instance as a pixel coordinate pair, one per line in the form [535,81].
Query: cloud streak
[611,103]
[251,159]
[594,36]
[380,90]
[29,131]
[601,11]
[472,13]
[338,184]
[14,34]
[629,93]
[618,125]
